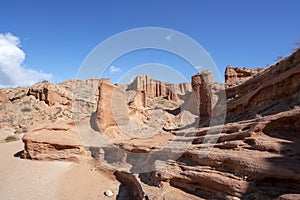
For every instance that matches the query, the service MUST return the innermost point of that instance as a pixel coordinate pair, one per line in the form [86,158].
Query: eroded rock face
[235,74]
[201,84]
[274,90]
[8,95]
[112,105]
[255,154]
[153,88]
[245,161]
[50,93]
[44,102]
[58,141]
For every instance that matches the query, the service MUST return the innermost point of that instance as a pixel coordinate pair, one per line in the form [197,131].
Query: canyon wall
[154,88]
[274,90]
[235,74]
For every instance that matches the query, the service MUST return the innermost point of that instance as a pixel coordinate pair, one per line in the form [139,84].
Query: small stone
[108,193]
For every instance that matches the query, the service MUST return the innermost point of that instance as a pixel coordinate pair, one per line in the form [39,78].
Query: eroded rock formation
[154,88]
[201,84]
[274,90]
[58,141]
[45,102]
[112,105]
[50,93]
[8,95]
[255,155]
[235,74]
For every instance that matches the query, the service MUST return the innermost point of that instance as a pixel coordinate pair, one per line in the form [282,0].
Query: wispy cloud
[169,37]
[198,67]
[12,72]
[114,69]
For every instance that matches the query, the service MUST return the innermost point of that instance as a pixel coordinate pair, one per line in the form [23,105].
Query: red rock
[201,87]
[57,141]
[112,106]
[289,197]
[234,74]
[274,90]
[153,88]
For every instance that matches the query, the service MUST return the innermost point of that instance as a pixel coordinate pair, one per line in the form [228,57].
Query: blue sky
[56,36]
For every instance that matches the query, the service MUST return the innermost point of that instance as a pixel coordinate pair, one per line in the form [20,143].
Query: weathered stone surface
[57,141]
[112,106]
[183,88]
[131,183]
[201,84]
[289,197]
[246,159]
[153,88]
[8,95]
[253,155]
[235,74]
[50,93]
[274,90]
[138,99]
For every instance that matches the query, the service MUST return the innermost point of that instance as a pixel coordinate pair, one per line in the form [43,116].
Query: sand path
[35,180]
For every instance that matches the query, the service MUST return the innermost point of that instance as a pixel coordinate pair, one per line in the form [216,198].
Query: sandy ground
[35,180]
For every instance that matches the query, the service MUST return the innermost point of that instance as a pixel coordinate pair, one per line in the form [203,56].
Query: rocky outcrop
[153,88]
[137,99]
[112,105]
[50,93]
[132,185]
[274,90]
[235,74]
[254,155]
[58,141]
[183,88]
[201,84]
[289,197]
[8,95]
[251,159]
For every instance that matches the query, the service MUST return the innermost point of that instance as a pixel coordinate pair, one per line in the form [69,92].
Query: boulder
[57,141]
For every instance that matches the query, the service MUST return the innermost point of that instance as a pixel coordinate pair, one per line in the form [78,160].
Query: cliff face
[154,88]
[235,74]
[274,90]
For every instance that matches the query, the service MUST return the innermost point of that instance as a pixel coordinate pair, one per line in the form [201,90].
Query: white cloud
[198,67]
[12,72]
[114,69]
[169,37]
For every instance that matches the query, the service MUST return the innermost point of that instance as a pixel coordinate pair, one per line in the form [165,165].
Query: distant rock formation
[235,74]
[154,88]
[50,93]
[183,88]
[8,95]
